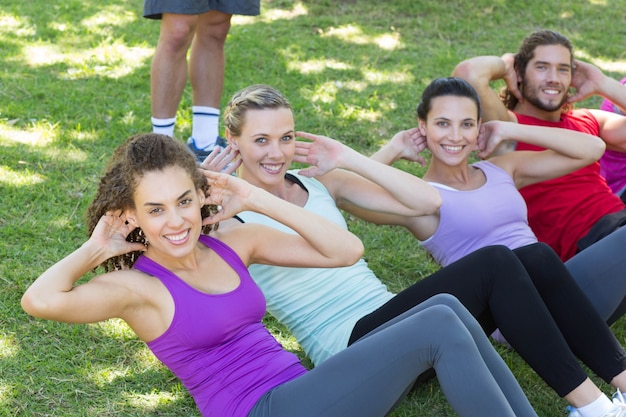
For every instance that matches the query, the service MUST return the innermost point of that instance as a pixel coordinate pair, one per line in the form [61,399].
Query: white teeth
[272,168]
[554,92]
[176,238]
[452,148]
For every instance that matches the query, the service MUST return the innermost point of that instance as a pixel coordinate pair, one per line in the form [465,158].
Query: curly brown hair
[140,154]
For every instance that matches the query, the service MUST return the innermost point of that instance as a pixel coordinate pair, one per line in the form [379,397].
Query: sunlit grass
[385,77]
[611,65]
[18,26]
[269,15]
[38,134]
[112,60]
[116,328]
[317,66]
[8,346]
[109,16]
[75,83]
[9,176]
[5,391]
[151,401]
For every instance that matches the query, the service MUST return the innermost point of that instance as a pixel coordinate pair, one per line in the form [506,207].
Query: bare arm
[567,150]
[319,243]
[612,129]
[479,72]
[54,295]
[407,145]
[358,181]
[589,80]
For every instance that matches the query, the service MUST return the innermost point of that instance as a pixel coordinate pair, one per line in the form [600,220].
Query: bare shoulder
[130,281]
[602,115]
[122,276]
[143,301]
[233,230]
[507,160]
[246,238]
[229,224]
[240,237]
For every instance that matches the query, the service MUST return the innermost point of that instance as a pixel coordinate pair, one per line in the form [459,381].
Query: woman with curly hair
[190,298]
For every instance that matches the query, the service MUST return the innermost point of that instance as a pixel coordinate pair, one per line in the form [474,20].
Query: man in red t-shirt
[573,212]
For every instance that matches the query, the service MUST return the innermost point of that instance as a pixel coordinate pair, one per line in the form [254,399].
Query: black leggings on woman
[531,297]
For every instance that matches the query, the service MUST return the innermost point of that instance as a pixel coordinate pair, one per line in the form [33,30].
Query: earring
[141,235]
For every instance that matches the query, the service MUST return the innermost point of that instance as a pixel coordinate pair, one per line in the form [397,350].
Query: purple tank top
[494,214]
[216,344]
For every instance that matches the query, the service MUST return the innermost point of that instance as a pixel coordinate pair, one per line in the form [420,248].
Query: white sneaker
[618,411]
[573,411]
[201,154]
[620,406]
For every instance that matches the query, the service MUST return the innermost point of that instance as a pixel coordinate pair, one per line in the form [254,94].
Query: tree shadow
[75,84]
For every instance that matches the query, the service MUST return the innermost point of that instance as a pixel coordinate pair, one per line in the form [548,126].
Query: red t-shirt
[562,210]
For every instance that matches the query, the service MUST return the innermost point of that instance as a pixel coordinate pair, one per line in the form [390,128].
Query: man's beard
[534,100]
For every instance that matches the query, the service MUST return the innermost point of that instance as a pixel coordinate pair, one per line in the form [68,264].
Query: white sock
[204,125]
[597,408]
[164,126]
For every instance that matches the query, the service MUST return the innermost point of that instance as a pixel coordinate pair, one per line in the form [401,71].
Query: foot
[618,410]
[201,154]
[620,405]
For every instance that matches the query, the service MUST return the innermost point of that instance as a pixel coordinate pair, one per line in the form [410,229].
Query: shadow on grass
[75,83]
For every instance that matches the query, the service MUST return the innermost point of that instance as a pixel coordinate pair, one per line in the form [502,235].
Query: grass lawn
[74,83]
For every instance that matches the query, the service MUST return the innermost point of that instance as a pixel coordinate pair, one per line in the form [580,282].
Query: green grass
[74,83]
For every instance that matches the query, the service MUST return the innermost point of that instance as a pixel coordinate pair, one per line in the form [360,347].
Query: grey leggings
[372,375]
[600,271]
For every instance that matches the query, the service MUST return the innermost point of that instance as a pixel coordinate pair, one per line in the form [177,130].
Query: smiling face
[547,78]
[266,146]
[451,129]
[167,209]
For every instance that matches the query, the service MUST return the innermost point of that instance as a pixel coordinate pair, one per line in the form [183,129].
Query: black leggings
[545,317]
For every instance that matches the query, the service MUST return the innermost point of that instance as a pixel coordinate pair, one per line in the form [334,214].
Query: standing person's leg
[168,75]
[600,271]
[367,378]
[206,74]
[494,286]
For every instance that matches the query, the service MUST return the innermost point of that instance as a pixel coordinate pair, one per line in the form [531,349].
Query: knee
[446,328]
[497,261]
[214,28]
[177,35]
[447,300]
[443,317]
[460,311]
[439,315]
[538,255]
[496,255]
[539,250]
[217,34]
